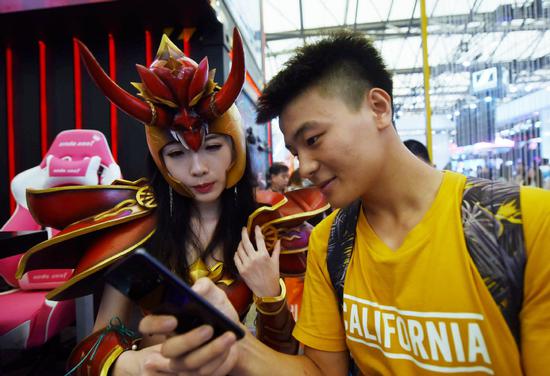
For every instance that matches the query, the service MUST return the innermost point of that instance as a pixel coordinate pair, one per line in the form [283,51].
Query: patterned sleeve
[535,314]
[320,325]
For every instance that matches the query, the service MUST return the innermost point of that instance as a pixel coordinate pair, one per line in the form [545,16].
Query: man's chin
[339,202]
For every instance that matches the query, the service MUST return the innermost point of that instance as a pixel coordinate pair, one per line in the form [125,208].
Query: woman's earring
[171,194]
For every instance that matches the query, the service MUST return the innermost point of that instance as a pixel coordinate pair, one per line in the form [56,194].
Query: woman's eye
[174,153]
[311,140]
[213,147]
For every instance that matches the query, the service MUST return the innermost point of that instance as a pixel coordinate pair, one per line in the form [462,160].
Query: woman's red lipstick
[204,188]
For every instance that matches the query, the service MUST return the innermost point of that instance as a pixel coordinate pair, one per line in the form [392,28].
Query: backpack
[491,219]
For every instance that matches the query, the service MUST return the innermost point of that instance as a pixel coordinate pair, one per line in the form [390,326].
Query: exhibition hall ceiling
[468,41]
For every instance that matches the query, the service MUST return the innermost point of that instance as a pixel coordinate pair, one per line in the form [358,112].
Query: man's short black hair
[418,149]
[345,63]
[278,168]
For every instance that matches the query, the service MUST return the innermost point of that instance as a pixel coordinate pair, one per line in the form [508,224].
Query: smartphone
[147,282]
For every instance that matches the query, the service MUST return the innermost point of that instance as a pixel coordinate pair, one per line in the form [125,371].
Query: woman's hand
[146,362]
[259,270]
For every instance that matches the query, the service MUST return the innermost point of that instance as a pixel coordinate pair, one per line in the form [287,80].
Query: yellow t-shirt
[423,309]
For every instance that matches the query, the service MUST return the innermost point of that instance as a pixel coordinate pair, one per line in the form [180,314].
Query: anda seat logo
[73,143]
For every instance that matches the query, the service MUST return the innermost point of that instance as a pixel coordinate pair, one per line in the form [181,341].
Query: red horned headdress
[181,102]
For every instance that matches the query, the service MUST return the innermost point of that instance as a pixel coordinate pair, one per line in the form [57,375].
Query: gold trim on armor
[114,211]
[269,313]
[212,106]
[154,115]
[262,209]
[73,234]
[146,198]
[51,295]
[110,360]
[311,213]
[116,184]
[80,187]
[293,251]
[215,273]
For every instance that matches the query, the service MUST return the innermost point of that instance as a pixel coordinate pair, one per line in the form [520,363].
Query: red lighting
[114,118]
[77,86]
[43,100]
[148,48]
[252,84]
[187,47]
[9,110]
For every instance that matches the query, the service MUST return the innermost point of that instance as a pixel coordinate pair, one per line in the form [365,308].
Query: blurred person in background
[418,149]
[279,176]
[296,181]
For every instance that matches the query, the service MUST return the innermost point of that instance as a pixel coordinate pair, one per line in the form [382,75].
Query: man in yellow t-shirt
[414,302]
[423,308]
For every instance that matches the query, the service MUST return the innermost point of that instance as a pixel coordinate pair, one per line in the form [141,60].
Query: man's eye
[213,147]
[311,140]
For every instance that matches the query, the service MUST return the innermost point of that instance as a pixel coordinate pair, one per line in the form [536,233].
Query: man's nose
[308,165]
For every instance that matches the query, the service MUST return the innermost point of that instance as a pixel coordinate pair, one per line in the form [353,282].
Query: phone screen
[155,289]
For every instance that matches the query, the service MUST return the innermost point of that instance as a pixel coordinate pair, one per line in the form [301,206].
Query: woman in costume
[190,215]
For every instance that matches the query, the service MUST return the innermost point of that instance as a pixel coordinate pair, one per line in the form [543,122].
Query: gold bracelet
[262,301]
[272,299]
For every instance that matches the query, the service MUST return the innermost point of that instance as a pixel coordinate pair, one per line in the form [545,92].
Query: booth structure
[44,88]
[46,96]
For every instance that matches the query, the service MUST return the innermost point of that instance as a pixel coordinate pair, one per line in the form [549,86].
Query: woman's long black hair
[174,233]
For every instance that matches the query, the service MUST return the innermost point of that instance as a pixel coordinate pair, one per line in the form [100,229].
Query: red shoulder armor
[119,219]
[285,218]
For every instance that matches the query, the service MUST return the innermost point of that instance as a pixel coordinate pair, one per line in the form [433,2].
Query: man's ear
[380,103]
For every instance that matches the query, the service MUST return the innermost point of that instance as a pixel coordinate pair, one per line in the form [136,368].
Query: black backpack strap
[339,251]
[491,217]
[340,247]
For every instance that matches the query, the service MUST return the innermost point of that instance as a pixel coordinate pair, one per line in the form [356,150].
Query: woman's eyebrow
[213,136]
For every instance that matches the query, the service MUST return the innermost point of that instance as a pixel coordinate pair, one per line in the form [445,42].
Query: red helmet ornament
[181,102]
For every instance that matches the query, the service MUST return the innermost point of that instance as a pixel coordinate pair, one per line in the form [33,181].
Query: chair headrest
[76,157]
[79,144]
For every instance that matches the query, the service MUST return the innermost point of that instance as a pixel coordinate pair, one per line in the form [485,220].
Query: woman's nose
[198,165]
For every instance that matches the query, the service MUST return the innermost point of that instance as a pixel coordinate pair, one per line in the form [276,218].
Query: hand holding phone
[147,282]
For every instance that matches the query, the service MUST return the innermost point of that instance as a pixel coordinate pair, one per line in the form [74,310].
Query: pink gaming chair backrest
[77,146]
[76,157]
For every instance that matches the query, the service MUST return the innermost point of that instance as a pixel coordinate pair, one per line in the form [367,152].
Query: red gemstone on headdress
[193,138]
